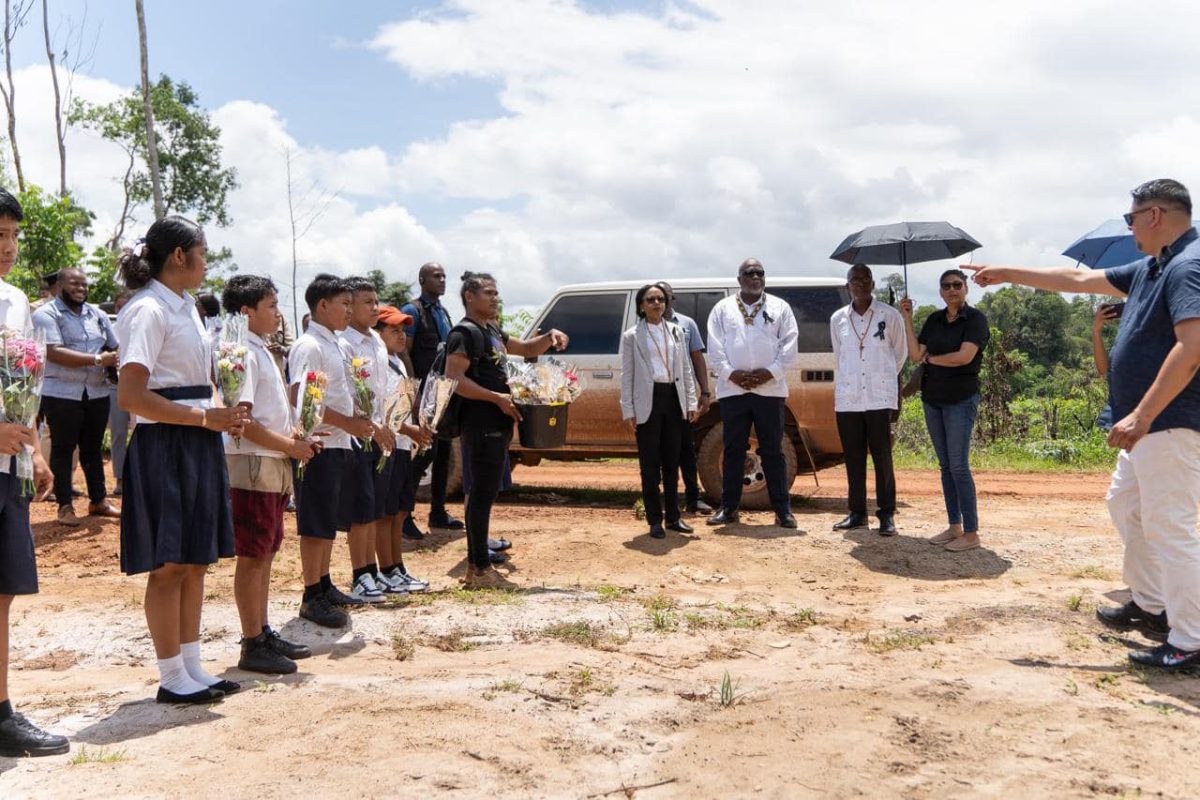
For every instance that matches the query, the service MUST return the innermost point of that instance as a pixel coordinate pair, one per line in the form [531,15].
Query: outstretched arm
[1054,279]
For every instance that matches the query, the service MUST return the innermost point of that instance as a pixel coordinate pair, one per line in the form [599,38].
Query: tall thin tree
[148,112]
[14,17]
[59,130]
[314,203]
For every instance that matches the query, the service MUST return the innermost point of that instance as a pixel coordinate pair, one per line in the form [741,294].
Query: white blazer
[637,381]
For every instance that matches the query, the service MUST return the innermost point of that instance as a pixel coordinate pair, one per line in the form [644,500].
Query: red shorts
[257,522]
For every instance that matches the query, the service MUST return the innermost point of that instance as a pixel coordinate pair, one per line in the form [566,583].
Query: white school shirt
[403,442]
[14,315]
[370,347]
[866,380]
[319,350]
[162,331]
[662,343]
[267,396]
[769,342]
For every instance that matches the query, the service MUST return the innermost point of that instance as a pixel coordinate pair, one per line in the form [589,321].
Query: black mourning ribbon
[766,316]
[879,331]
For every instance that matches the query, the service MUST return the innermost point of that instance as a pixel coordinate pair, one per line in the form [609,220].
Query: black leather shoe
[259,656]
[284,647]
[496,557]
[887,526]
[339,598]
[699,507]
[657,532]
[1167,656]
[227,687]
[19,738]
[446,522]
[204,696]
[680,526]
[498,544]
[851,522]
[723,517]
[321,612]
[1131,617]
[410,529]
[786,521]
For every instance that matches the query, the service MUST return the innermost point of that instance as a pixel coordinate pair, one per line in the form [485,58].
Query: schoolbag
[451,425]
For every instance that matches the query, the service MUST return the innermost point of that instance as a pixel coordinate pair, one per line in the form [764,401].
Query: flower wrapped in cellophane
[358,371]
[230,356]
[435,399]
[310,406]
[398,408]
[545,382]
[22,368]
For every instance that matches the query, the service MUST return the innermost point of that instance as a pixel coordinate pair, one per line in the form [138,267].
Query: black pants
[861,431]
[438,455]
[738,412]
[77,423]
[658,441]
[488,449]
[687,464]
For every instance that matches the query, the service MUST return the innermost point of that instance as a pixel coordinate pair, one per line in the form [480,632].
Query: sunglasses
[753,273]
[953,285]
[658,301]
[1129,217]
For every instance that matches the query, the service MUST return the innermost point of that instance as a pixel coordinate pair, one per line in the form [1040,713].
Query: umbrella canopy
[904,243]
[1109,245]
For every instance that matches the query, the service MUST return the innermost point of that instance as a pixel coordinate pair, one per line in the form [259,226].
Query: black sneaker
[410,529]
[319,611]
[337,597]
[19,738]
[1167,656]
[446,522]
[284,647]
[259,656]
[1131,617]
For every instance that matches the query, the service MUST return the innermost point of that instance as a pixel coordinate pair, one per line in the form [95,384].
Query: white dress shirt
[267,396]
[370,347]
[866,378]
[14,315]
[162,331]
[319,350]
[767,342]
[662,352]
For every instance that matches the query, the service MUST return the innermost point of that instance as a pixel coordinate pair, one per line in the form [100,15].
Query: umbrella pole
[904,264]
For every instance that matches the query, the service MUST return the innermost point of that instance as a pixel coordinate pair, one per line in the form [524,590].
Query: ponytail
[142,263]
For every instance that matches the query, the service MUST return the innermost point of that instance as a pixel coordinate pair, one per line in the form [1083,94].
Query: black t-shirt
[488,369]
[947,385]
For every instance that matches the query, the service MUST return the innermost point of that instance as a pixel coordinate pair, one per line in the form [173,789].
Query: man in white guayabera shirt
[869,346]
[751,341]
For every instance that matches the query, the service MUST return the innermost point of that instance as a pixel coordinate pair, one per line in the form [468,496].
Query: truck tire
[754,484]
[453,482]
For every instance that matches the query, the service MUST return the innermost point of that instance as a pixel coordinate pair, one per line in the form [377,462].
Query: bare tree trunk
[59,130]
[12,21]
[148,112]
[114,243]
[287,155]
[315,200]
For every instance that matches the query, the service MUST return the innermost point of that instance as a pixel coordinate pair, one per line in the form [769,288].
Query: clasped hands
[750,379]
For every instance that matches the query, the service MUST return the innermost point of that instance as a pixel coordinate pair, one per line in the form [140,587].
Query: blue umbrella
[1110,245]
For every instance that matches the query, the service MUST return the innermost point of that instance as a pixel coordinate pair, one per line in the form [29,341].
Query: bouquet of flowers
[435,399]
[360,390]
[231,355]
[546,382]
[22,367]
[397,409]
[312,406]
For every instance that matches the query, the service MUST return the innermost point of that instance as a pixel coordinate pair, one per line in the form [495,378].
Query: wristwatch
[97,360]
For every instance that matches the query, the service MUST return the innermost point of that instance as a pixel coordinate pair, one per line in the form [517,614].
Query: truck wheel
[453,482]
[754,480]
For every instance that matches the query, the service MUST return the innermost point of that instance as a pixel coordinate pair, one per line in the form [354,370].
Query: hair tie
[140,248]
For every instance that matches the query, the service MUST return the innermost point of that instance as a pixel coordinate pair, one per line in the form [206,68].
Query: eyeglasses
[860,279]
[658,301]
[1129,217]
[953,285]
[753,273]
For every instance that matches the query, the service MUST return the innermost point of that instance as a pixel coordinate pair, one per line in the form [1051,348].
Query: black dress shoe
[284,647]
[851,522]
[699,507]
[657,532]
[227,687]
[1131,617]
[496,557]
[445,522]
[887,526]
[1167,656]
[786,521]
[681,526]
[20,738]
[204,696]
[723,517]
[337,597]
[410,529]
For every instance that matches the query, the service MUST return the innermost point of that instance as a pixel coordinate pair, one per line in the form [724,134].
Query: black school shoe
[20,738]
[202,697]
[259,656]
[887,525]
[410,529]
[321,612]
[445,522]
[284,647]
[657,532]
[852,522]
[496,557]
[680,526]
[723,517]
[1132,617]
[337,597]
[1167,656]
[786,521]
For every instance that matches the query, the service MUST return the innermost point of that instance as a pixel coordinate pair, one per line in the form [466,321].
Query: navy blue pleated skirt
[175,507]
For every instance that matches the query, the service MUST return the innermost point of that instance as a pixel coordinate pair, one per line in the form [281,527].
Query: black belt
[185,392]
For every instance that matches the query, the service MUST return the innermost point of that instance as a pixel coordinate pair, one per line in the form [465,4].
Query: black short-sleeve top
[948,385]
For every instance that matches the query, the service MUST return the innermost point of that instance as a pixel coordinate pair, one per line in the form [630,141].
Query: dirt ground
[852,665]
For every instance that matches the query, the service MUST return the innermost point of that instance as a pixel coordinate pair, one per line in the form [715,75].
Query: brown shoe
[103,509]
[968,541]
[945,537]
[66,516]
[485,579]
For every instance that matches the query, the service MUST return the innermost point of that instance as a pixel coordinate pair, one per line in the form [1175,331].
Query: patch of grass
[659,602]
[1075,601]
[1072,688]
[800,620]
[453,641]
[1076,641]
[639,509]
[510,685]
[728,694]
[580,632]
[485,597]
[898,640]
[402,647]
[727,617]
[417,599]
[101,756]
[607,593]
[1095,572]
[663,620]
[1108,682]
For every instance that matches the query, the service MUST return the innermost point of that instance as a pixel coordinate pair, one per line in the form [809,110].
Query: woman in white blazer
[658,392]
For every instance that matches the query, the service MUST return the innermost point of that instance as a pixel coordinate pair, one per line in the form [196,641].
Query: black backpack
[451,425]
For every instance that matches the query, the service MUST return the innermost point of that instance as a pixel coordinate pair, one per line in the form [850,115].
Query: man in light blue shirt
[80,348]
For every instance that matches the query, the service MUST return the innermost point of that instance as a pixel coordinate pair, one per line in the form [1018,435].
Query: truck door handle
[602,375]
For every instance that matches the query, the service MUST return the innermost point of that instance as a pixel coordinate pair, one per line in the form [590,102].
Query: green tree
[48,236]
[391,293]
[189,153]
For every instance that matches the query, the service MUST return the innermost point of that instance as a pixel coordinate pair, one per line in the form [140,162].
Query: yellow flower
[357,362]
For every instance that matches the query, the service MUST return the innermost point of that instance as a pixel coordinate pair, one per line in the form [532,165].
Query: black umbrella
[905,243]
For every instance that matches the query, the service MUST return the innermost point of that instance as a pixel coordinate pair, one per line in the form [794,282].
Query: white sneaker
[365,589]
[411,584]
[390,585]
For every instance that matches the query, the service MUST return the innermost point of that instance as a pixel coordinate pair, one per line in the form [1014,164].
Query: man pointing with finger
[1155,396]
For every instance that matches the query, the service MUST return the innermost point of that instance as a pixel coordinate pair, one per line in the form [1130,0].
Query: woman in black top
[950,347]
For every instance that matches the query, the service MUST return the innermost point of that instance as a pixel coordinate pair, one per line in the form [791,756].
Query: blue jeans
[950,428]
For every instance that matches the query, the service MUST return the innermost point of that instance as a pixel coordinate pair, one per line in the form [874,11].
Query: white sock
[190,652]
[173,676]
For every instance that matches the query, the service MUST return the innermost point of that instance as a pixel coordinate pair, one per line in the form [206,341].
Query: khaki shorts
[259,473]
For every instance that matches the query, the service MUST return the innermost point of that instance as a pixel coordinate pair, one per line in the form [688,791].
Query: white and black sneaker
[410,583]
[366,590]
[389,585]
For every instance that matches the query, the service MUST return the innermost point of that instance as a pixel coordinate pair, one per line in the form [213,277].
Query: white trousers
[1153,502]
